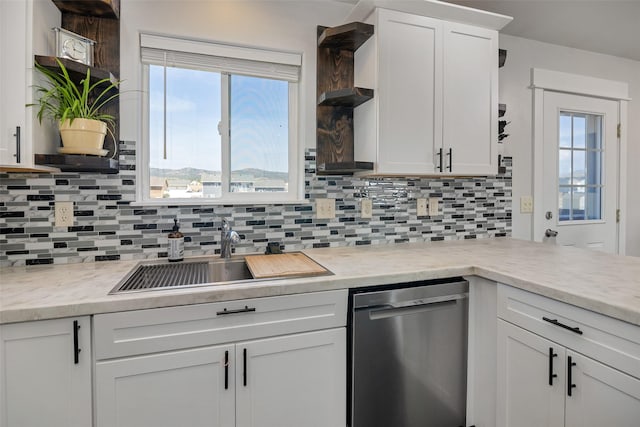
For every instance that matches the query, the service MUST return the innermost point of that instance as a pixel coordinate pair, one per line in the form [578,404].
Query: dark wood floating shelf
[350,97]
[77,71]
[348,36]
[99,8]
[78,163]
[343,168]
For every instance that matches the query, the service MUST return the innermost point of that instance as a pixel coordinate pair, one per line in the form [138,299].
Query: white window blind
[197,54]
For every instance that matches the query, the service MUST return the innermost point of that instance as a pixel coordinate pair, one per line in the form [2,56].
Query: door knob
[550,233]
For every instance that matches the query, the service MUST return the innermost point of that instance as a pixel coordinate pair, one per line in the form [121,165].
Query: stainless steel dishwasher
[409,356]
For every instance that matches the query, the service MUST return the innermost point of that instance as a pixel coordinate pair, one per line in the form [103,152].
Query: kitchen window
[220,123]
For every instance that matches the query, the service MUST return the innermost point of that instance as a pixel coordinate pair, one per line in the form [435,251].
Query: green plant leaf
[61,98]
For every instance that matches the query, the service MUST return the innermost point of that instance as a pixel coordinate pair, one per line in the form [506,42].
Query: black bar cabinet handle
[551,374]
[450,154]
[226,370]
[562,325]
[570,384]
[246,309]
[76,348]
[440,160]
[17,134]
[244,367]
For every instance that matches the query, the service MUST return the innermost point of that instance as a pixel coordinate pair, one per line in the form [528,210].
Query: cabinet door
[192,388]
[470,99]
[602,396]
[41,383]
[409,92]
[13,81]
[292,381]
[525,398]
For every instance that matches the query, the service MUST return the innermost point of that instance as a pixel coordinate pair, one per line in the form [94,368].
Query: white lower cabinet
[603,396]
[188,377]
[525,396]
[179,388]
[569,367]
[45,373]
[292,381]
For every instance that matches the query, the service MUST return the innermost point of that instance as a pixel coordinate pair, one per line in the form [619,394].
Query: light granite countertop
[606,284]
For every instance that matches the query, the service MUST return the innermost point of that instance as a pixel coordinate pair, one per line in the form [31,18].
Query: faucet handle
[234,237]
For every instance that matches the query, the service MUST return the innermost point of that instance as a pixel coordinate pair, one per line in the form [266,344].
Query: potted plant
[76,107]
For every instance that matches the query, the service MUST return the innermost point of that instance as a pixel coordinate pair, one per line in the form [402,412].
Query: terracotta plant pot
[83,136]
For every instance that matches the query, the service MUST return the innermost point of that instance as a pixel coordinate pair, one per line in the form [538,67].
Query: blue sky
[259,121]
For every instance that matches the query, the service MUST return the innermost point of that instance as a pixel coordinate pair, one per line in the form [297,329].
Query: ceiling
[606,26]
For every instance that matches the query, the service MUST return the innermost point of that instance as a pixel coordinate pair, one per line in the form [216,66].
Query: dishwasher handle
[401,308]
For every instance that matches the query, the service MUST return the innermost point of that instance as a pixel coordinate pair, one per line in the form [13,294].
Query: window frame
[294,194]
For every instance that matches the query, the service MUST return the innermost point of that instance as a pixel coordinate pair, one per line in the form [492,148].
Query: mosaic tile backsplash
[108,228]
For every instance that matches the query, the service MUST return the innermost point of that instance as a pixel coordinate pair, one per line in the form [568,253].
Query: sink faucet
[228,237]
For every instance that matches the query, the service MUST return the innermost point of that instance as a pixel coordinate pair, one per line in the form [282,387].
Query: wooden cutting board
[283,265]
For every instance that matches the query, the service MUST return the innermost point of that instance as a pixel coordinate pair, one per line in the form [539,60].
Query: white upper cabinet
[435,109]
[470,100]
[25,31]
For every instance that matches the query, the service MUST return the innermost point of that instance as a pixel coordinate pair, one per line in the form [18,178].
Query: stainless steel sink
[158,275]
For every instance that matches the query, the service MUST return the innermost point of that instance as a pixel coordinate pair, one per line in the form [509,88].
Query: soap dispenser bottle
[176,243]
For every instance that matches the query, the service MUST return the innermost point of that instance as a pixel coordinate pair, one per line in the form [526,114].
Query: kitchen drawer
[611,341]
[161,329]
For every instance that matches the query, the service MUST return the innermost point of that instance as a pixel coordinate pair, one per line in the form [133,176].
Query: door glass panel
[564,203]
[594,202]
[594,162]
[578,203]
[564,162]
[594,132]
[565,130]
[579,131]
[580,167]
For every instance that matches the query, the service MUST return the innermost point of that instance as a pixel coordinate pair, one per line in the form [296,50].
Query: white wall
[524,54]
[280,25]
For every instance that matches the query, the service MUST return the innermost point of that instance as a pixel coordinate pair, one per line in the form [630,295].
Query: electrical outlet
[366,208]
[526,204]
[434,206]
[64,214]
[421,207]
[325,208]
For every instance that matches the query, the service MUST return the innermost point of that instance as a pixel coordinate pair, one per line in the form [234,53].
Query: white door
[470,100]
[42,382]
[410,96]
[602,396]
[194,388]
[529,395]
[13,81]
[292,381]
[580,159]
